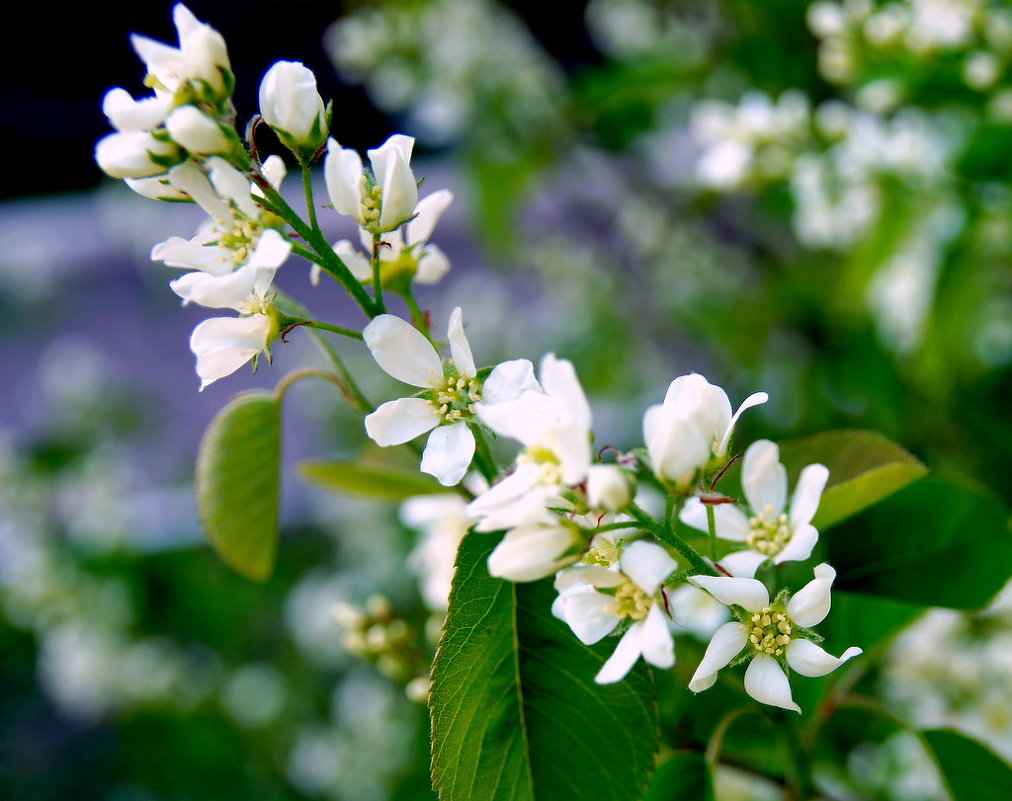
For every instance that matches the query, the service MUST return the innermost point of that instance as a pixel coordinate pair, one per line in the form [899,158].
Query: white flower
[228,239]
[609,487]
[691,428]
[291,105]
[381,201]
[134,154]
[201,55]
[631,594]
[553,424]
[770,531]
[244,289]
[451,392]
[127,114]
[443,521]
[196,131]
[535,550]
[224,344]
[768,636]
[403,256]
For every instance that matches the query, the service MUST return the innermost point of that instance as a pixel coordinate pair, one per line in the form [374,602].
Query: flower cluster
[558,509]
[181,144]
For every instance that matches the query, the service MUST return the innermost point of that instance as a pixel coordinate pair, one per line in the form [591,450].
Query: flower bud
[534,551]
[134,154]
[197,132]
[608,487]
[290,104]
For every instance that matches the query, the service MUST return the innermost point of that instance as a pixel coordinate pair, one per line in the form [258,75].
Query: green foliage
[864,467]
[387,482]
[238,482]
[971,771]
[938,543]
[683,776]
[515,710]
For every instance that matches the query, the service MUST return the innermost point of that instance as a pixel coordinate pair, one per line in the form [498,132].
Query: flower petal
[655,639]
[624,657]
[428,210]
[187,254]
[403,351]
[729,520]
[353,260]
[808,659]
[224,344]
[343,173]
[766,681]
[233,185]
[748,593]
[229,291]
[755,399]
[460,349]
[810,605]
[448,453]
[742,564]
[589,614]
[763,478]
[808,493]
[726,644]
[532,552]
[647,565]
[432,265]
[189,178]
[509,380]
[400,193]
[800,547]
[400,421]
[558,377]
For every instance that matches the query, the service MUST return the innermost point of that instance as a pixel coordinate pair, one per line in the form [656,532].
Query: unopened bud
[608,487]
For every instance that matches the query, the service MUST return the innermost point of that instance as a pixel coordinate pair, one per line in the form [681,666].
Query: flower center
[241,238]
[769,532]
[771,631]
[630,601]
[606,553]
[257,304]
[372,202]
[547,462]
[455,398]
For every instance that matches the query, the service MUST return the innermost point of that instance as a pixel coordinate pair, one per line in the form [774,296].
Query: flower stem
[297,375]
[377,284]
[711,524]
[329,260]
[307,187]
[417,314]
[483,454]
[335,328]
[667,536]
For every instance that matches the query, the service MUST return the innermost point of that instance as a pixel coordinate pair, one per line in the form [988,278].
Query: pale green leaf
[372,481]
[864,467]
[238,482]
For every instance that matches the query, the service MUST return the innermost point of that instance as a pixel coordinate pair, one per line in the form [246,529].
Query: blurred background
[812,199]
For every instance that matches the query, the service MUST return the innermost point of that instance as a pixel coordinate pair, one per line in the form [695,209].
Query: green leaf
[683,776]
[971,771]
[239,482]
[373,481]
[516,714]
[864,467]
[937,542]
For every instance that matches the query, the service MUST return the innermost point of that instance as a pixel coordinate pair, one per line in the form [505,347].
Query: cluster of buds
[376,634]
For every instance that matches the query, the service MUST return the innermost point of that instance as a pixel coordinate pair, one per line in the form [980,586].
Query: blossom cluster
[568,515]
[559,509]
[181,144]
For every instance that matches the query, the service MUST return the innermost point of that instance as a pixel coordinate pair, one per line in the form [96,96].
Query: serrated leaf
[864,467]
[937,543]
[971,771]
[516,715]
[683,776]
[238,482]
[354,478]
